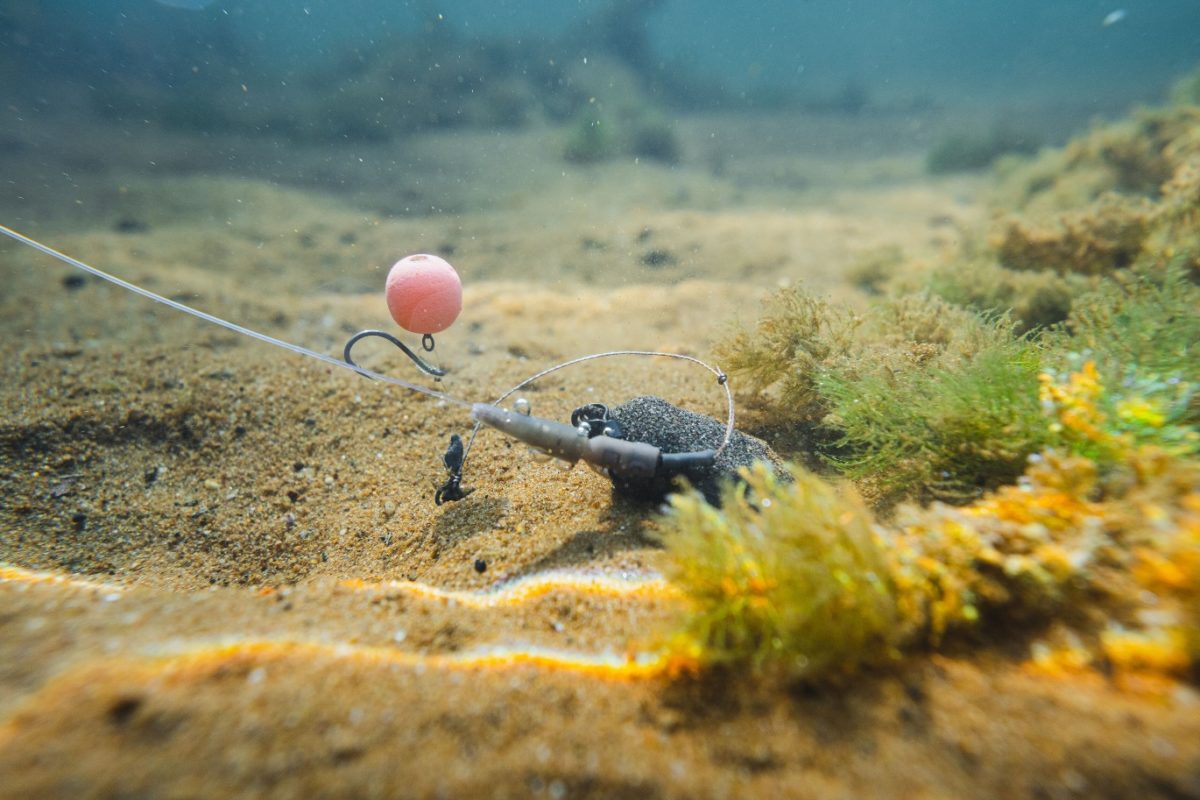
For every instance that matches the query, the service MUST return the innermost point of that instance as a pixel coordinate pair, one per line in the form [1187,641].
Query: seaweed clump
[1105,237]
[1057,454]
[788,577]
[1126,365]
[917,397]
[1123,197]
[1070,545]
[1091,276]
[1092,569]
[1131,158]
[920,399]
[943,431]
[1033,299]
[1109,200]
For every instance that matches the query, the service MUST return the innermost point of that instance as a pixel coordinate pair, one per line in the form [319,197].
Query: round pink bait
[424,294]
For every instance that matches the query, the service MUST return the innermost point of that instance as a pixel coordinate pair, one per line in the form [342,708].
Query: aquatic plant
[1106,276]
[1066,437]
[948,430]
[1126,196]
[1122,373]
[872,269]
[1142,325]
[1106,236]
[1104,424]
[1065,542]
[1172,570]
[788,576]
[1127,160]
[965,151]
[798,337]
[795,578]
[1175,240]
[1032,299]
[1073,216]
[1015,553]
[914,397]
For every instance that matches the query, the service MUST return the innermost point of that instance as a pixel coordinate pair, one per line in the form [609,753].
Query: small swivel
[594,419]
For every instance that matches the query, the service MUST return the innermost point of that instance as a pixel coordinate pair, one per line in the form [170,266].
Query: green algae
[1034,299]
[917,397]
[1107,275]
[947,431]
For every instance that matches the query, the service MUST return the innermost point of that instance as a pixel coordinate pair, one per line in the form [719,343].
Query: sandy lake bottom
[223,572]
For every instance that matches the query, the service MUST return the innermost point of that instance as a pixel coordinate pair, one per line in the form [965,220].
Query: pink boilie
[424,294]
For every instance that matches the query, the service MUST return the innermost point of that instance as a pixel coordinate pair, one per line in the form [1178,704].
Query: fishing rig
[637,467]
[644,446]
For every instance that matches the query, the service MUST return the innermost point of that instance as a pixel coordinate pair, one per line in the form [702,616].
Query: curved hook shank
[421,363]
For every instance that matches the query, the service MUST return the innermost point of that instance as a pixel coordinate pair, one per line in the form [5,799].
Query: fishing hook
[422,364]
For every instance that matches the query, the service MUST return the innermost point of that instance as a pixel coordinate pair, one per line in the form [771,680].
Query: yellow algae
[1069,659]
[1140,411]
[787,575]
[1074,401]
[1160,650]
[1034,546]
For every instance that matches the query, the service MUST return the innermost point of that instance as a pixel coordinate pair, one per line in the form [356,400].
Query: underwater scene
[615,398]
